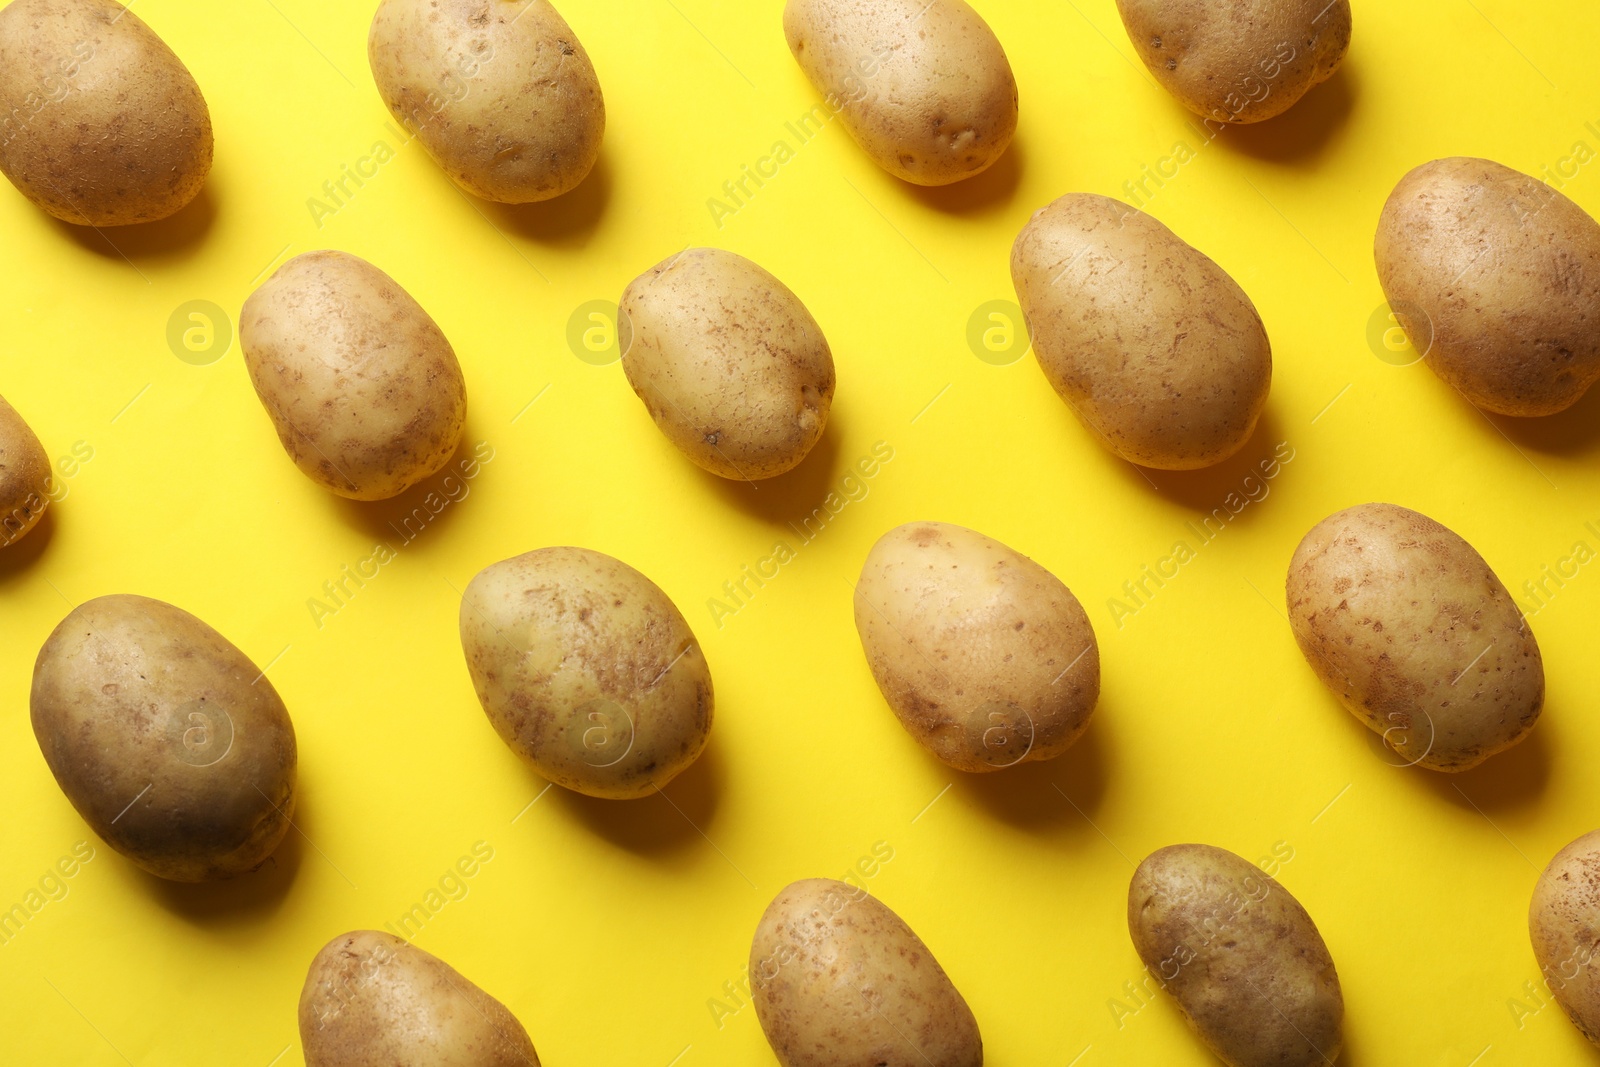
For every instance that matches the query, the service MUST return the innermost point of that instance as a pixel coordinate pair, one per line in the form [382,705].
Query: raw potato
[171,744]
[1413,632]
[1151,344]
[371,998]
[1564,925]
[839,980]
[985,657]
[361,385]
[24,476]
[922,85]
[1495,277]
[587,670]
[1239,954]
[100,124]
[500,92]
[729,363]
[1243,61]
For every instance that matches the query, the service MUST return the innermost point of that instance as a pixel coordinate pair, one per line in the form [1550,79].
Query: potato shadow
[1504,782]
[1044,794]
[251,897]
[1572,433]
[432,502]
[988,189]
[792,497]
[1305,131]
[1208,488]
[179,233]
[25,553]
[664,822]
[567,220]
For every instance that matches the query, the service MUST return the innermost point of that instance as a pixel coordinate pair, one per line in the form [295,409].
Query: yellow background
[608,927]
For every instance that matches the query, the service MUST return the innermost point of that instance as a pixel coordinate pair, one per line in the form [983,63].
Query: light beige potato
[587,670]
[100,123]
[985,657]
[922,85]
[1242,61]
[1154,347]
[1244,961]
[1416,636]
[501,93]
[360,383]
[729,363]
[1495,277]
[371,998]
[24,476]
[170,742]
[1564,926]
[840,980]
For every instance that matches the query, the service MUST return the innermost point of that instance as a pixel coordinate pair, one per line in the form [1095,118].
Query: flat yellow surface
[618,931]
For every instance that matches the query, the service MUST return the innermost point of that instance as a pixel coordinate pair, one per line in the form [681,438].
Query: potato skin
[372,998]
[1564,926]
[574,654]
[1243,62]
[840,980]
[922,85]
[501,95]
[24,476]
[729,363]
[987,659]
[1267,993]
[1151,344]
[1495,276]
[1411,629]
[104,125]
[360,383]
[171,744]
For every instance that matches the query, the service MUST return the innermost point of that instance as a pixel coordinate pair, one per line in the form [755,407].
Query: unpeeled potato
[24,476]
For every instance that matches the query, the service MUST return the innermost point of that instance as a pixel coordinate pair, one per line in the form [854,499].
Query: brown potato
[1564,926]
[371,998]
[171,744]
[1151,344]
[24,476]
[1495,277]
[103,125]
[1244,961]
[360,383]
[1411,629]
[839,980]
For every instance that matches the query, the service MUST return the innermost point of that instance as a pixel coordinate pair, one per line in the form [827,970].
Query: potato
[1495,277]
[1564,925]
[171,744]
[24,476]
[501,95]
[587,670]
[839,980]
[1243,61]
[371,998]
[361,385]
[1239,954]
[985,657]
[1151,344]
[102,125]
[1413,632]
[922,85]
[728,362]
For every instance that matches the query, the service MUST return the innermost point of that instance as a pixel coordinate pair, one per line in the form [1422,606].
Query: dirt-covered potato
[502,94]
[840,980]
[371,998]
[360,383]
[729,363]
[1564,925]
[24,476]
[100,123]
[985,657]
[171,744]
[587,670]
[1495,277]
[1240,956]
[1242,61]
[922,85]
[1416,636]
[1151,344]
